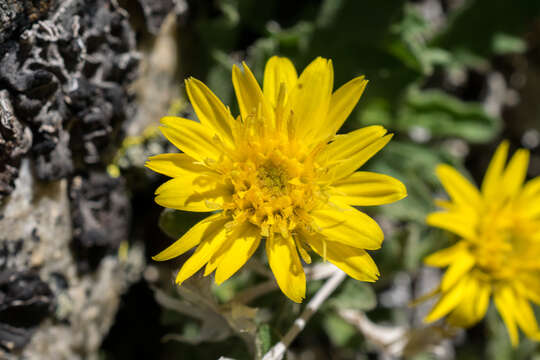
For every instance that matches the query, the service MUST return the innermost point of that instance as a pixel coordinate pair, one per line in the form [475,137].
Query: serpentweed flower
[278,173]
[498,251]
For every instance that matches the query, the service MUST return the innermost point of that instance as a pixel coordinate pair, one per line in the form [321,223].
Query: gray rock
[67,77]
[67,70]
[36,236]
[100,212]
[15,141]
[15,14]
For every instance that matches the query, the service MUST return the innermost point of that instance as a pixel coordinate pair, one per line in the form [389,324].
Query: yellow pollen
[274,181]
[501,250]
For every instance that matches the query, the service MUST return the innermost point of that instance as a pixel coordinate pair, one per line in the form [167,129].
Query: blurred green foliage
[410,63]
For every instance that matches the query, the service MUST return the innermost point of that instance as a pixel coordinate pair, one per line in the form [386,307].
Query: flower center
[274,185]
[272,179]
[503,248]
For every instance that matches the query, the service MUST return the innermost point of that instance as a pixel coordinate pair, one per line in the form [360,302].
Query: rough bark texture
[49,309]
[66,70]
[15,141]
[70,71]
[16,14]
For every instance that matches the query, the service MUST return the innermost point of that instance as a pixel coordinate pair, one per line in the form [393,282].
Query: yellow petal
[459,268]
[448,301]
[211,242]
[244,241]
[515,172]
[194,192]
[492,184]
[457,222]
[347,145]
[446,256]
[206,228]
[528,285]
[529,198]
[349,152]
[366,188]
[190,137]
[310,99]
[482,299]
[504,301]
[302,249]
[525,317]
[531,189]
[278,70]
[175,165]
[342,104]
[348,226]
[286,266]
[444,204]
[473,306]
[209,109]
[353,261]
[458,187]
[249,95]
[532,209]
[464,315]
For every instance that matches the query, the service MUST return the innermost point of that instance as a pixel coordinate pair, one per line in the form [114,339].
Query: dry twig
[278,350]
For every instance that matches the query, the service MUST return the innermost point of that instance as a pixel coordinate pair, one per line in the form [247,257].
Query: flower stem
[278,350]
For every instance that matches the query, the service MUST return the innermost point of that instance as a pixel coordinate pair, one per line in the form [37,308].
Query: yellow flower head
[498,251]
[277,172]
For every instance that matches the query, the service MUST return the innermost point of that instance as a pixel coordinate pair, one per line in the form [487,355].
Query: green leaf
[420,242]
[376,112]
[438,114]
[354,295]
[358,37]
[508,44]
[474,26]
[444,115]
[264,339]
[226,291]
[414,165]
[499,346]
[411,46]
[338,330]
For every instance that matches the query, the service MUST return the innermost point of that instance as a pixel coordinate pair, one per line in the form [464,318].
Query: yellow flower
[498,251]
[277,172]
